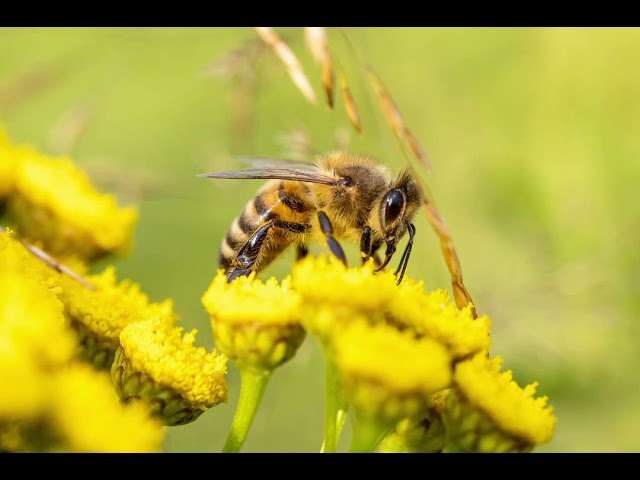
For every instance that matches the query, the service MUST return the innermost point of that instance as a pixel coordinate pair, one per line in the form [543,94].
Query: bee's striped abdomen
[285,204]
[241,230]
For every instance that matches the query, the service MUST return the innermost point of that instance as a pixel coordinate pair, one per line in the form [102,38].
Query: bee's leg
[249,252]
[302,251]
[365,244]
[404,260]
[327,229]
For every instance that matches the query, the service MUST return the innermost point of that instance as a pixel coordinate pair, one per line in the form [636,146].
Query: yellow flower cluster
[255,324]
[509,416]
[7,167]
[171,361]
[48,401]
[389,373]
[49,322]
[410,364]
[54,203]
[99,316]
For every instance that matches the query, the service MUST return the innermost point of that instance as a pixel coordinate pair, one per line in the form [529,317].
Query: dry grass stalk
[318,44]
[460,293]
[50,261]
[70,126]
[395,120]
[24,86]
[350,104]
[286,55]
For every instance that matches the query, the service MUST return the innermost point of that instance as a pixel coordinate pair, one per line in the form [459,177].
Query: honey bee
[342,196]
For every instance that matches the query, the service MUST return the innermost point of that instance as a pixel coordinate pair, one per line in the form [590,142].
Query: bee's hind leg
[327,229]
[248,254]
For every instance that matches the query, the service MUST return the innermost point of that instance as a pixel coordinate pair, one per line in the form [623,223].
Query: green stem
[368,432]
[253,383]
[335,409]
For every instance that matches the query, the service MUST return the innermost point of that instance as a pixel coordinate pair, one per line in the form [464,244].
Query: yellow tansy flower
[14,256]
[8,166]
[99,316]
[389,373]
[255,323]
[56,205]
[31,319]
[326,280]
[88,416]
[436,316]
[487,411]
[334,294]
[158,364]
[23,394]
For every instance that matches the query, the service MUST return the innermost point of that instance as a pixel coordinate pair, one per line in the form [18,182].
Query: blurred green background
[534,138]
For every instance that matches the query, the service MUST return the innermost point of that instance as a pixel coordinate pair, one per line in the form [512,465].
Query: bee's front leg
[367,247]
[327,229]
[248,254]
[365,244]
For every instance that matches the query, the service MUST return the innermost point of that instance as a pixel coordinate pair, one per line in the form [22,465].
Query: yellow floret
[393,359]
[112,306]
[90,417]
[326,280]
[55,203]
[159,349]
[436,316]
[249,300]
[513,409]
[31,319]
[254,323]
[8,166]
[389,374]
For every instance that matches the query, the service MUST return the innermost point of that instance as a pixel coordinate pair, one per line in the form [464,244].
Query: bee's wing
[292,170]
[279,163]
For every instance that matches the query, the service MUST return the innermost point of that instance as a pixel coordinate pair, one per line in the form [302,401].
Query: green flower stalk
[334,296]
[155,363]
[257,325]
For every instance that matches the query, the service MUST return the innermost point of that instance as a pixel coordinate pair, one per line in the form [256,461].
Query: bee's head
[398,206]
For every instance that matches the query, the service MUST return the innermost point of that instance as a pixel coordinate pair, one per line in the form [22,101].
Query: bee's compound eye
[392,206]
[345,182]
